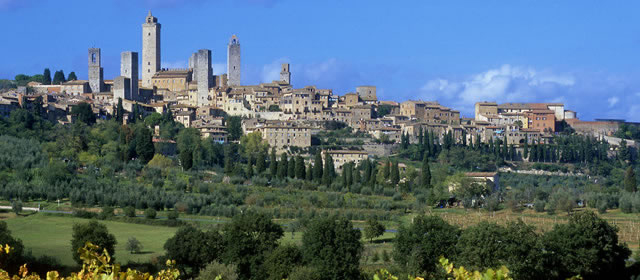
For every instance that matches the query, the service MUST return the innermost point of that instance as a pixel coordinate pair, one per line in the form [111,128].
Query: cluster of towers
[125,86]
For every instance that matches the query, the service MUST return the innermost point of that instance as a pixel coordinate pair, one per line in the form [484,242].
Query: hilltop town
[286,116]
[219,179]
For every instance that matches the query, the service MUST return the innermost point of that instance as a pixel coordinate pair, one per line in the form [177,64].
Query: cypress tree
[540,150]
[317,167]
[260,162]
[464,138]
[283,166]
[512,152]
[58,77]
[630,183]
[420,137]
[309,175]
[291,167]
[249,170]
[328,171]
[144,144]
[228,164]
[525,147]
[623,151]
[386,171]
[395,173]
[367,171]
[273,164]
[72,76]
[356,176]
[119,111]
[505,148]
[425,174]
[47,77]
[348,173]
[300,169]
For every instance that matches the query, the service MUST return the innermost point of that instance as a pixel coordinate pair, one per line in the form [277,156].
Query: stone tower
[150,49]
[96,81]
[129,69]
[367,93]
[193,62]
[285,75]
[233,61]
[204,76]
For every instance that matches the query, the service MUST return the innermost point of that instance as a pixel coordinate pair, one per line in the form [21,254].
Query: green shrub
[150,213]
[129,212]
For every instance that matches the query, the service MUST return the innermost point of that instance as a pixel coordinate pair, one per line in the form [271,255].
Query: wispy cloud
[271,72]
[264,3]
[180,64]
[8,5]
[158,4]
[593,95]
[504,84]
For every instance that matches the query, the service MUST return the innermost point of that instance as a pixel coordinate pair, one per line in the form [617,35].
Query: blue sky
[582,53]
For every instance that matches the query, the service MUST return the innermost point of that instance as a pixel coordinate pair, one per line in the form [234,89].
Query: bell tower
[233,61]
[150,49]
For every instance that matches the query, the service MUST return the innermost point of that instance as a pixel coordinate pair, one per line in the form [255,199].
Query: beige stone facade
[283,136]
[340,157]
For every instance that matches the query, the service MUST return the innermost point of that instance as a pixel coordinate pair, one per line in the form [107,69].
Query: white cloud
[613,101]
[633,114]
[271,71]
[11,4]
[180,64]
[504,84]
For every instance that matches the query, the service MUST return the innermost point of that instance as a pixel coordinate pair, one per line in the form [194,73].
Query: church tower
[150,49]
[233,61]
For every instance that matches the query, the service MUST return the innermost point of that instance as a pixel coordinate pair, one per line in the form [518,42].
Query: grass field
[628,224]
[51,235]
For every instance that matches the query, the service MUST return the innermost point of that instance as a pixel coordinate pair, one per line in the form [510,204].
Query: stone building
[96,76]
[121,89]
[486,108]
[150,49]
[283,136]
[185,117]
[76,87]
[233,61]
[542,120]
[340,157]
[175,80]
[428,111]
[367,94]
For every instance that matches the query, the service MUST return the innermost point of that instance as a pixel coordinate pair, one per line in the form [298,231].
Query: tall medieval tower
[285,75]
[233,61]
[96,79]
[150,49]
